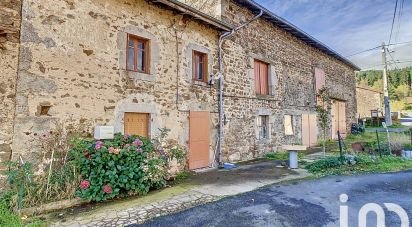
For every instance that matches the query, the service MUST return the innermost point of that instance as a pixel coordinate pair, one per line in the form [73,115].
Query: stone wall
[10,18]
[368,100]
[212,8]
[292,62]
[73,61]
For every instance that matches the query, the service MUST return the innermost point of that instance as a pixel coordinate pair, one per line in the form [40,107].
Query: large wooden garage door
[136,124]
[199,139]
[309,130]
[338,119]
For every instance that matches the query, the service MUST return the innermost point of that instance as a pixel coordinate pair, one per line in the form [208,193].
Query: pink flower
[113,150]
[137,143]
[126,137]
[99,144]
[84,184]
[107,189]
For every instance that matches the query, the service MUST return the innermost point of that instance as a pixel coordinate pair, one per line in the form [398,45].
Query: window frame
[258,79]
[204,57]
[146,61]
[262,125]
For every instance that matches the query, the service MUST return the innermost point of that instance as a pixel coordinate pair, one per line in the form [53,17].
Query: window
[199,68]
[261,78]
[137,54]
[319,79]
[136,124]
[288,124]
[263,126]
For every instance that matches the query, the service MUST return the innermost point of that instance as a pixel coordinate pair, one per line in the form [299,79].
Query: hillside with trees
[400,85]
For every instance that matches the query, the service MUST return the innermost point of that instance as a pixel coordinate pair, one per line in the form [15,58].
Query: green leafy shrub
[125,165]
[324,164]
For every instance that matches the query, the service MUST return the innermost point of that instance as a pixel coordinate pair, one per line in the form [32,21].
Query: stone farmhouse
[368,99]
[229,78]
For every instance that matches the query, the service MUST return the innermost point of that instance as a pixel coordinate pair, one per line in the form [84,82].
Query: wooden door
[199,139]
[338,119]
[342,119]
[136,124]
[335,119]
[309,130]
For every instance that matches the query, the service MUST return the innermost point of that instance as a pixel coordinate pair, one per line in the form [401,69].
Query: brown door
[309,130]
[199,139]
[338,118]
[136,124]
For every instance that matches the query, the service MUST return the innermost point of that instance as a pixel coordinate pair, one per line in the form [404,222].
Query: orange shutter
[136,124]
[319,79]
[261,78]
[264,79]
[257,77]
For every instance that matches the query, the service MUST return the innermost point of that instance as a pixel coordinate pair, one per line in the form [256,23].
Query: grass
[182,177]
[10,219]
[364,164]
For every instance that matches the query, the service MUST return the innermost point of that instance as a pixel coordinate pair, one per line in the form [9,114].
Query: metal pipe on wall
[222,38]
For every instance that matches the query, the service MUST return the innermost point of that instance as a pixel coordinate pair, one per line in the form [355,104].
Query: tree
[323,108]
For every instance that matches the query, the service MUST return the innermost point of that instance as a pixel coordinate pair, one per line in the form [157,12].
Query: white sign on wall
[103,132]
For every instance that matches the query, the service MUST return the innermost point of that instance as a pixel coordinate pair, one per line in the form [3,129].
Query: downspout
[222,38]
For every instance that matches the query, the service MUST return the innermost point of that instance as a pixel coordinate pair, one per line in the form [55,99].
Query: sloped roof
[194,13]
[295,31]
[267,15]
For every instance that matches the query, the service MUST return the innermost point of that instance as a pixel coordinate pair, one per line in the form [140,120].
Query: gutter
[222,38]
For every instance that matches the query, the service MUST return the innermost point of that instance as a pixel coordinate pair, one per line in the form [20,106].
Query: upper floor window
[320,78]
[199,68]
[137,54]
[261,78]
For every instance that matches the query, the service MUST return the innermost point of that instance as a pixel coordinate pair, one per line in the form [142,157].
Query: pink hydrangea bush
[126,165]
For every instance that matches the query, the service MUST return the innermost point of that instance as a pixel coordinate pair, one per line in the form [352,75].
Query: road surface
[304,203]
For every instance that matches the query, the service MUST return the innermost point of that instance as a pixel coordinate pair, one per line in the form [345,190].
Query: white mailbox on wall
[103,132]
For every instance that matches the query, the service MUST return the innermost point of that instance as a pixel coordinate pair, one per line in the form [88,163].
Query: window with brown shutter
[199,67]
[261,78]
[136,124]
[137,57]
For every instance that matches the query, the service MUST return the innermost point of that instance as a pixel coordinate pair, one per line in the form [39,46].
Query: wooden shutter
[261,78]
[342,118]
[264,84]
[136,124]
[199,139]
[309,130]
[257,77]
[320,78]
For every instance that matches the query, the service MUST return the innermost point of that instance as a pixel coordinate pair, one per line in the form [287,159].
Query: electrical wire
[391,44]
[393,20]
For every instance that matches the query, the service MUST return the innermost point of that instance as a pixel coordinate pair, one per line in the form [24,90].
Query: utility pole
[388,118]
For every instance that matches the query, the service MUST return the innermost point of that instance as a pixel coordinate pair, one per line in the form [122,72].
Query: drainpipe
[222,38]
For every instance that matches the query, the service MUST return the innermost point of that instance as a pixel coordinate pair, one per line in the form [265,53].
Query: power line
[393,20]
[363,51]
[391,44]
[394,44]
[396,66]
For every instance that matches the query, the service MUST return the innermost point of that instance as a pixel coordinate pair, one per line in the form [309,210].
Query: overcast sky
[351,26]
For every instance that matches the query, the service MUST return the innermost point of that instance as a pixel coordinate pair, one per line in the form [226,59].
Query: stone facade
[10,18]
[367,100]
[72,61]
[292,62]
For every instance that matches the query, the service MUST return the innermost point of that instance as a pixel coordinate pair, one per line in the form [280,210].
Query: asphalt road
[305,203]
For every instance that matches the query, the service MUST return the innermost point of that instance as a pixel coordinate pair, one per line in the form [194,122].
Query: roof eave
[295,31]
[188,10]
